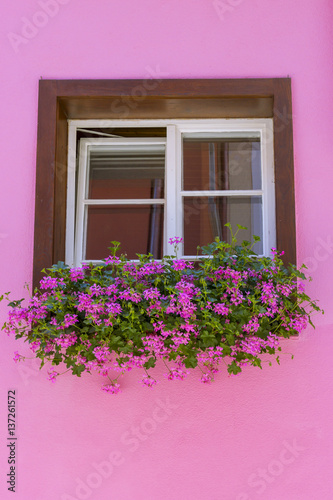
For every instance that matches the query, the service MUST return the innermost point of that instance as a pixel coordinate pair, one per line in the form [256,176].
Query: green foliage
[230,305]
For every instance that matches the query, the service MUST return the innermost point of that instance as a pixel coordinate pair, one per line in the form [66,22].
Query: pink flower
[112,260]
[101,353]
[179,265]
[151,293]
[113,388]
[17,357]
[175,241]
[113,308]
[206,378]
[76,273]
[52,376]
[70,319]
[177,374]
[35,345]
[252,326]
[66,340]
[148,381]
[48,282]
[130,295]
[221,309]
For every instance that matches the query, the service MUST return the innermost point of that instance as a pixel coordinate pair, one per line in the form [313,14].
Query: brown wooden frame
[60,100]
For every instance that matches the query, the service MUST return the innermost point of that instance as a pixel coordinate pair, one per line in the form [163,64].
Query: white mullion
[268,198]
[243,126]
[263,198]
[150,201]
[103,143]
[243,192]
[81,209]
[170,211]
[71,181]
[179,187]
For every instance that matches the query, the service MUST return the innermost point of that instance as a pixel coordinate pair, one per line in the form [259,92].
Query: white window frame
[173,206]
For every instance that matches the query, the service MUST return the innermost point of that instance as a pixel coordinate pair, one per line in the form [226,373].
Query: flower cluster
[229,305]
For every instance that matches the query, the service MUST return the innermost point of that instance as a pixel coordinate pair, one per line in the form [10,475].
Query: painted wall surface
[265,434]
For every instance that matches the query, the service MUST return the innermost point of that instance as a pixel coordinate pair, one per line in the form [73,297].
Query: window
[190,131]
[182,177]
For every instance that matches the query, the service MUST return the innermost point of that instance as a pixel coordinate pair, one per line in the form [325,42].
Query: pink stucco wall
[265,434]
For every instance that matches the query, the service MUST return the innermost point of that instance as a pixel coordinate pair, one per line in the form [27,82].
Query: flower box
[230,305]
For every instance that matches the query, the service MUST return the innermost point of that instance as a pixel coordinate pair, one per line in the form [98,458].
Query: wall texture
[265,434]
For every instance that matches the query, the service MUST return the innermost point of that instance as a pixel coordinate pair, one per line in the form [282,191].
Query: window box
[233,307]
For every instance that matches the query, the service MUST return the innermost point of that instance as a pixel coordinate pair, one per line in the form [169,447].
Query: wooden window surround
[60,100]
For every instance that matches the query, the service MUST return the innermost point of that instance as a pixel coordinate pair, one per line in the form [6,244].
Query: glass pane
[139,228]
[204,219]
[218,164]
[126,172]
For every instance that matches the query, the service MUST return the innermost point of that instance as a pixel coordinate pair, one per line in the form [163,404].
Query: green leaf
[57,358]
[78,369]
[191,362]
[150,363]
[60,265]
[15,303]
[234,368]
